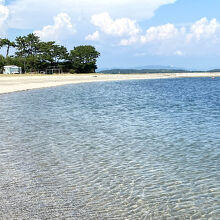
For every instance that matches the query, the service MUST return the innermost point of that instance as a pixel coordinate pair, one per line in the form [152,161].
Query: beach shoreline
[17,83]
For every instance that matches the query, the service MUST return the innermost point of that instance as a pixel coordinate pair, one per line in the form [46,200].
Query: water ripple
[121,150]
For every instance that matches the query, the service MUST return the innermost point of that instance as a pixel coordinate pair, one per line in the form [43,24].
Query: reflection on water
[144,149]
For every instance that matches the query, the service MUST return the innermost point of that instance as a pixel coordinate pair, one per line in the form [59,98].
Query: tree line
[34,55]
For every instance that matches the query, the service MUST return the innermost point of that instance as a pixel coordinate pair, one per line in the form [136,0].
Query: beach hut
[53,69]
[12,70]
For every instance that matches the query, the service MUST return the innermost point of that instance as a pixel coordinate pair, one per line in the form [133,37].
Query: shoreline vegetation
[33,55]
[22,82]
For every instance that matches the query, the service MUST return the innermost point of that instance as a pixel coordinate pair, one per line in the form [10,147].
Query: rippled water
[147,149]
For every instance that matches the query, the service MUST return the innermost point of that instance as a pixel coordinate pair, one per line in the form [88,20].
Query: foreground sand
[17,83]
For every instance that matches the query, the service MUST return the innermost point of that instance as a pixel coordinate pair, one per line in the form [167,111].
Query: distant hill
[151,69]
[129,71]
[155,67]
[214,71]
[148,67]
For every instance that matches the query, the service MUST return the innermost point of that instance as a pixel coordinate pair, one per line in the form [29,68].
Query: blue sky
[128,33]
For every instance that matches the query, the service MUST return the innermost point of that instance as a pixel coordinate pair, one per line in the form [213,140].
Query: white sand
[17,83]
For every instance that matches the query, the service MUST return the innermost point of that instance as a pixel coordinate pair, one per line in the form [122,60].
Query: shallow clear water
[147,149]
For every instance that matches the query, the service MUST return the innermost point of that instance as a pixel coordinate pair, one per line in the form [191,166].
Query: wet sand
[15,83]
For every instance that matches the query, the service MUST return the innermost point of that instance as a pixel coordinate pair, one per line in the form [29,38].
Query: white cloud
[202,37]
[93,37]
[61,29]
[4,12]
[129,41]
[117,19]
[117,27]
[143,54]
[33,14]
[201,30]
[204,29]
[160,33]
[178,53]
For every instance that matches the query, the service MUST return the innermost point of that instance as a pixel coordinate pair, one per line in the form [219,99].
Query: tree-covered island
[34,55]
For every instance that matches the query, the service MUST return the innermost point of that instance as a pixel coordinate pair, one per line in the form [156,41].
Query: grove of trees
[34,55]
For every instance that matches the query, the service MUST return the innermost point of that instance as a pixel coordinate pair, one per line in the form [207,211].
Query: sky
[127,33]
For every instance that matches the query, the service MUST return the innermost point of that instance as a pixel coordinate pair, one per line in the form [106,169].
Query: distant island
[131,71]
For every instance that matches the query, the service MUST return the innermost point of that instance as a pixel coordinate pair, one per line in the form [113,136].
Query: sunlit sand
[15,83]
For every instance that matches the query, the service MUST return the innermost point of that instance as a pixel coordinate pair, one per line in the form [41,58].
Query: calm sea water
[147,149]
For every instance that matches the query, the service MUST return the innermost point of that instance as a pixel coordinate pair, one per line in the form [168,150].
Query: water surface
[143,149]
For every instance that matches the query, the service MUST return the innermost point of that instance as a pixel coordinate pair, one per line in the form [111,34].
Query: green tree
[32,54]
[28,48]
[52,53]
[27,45]
[32,44]
[22,50]
[2,63]
[59,53]
[83,59]
[8,44]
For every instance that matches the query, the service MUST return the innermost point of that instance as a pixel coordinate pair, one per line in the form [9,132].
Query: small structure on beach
[53,69]
[12,70]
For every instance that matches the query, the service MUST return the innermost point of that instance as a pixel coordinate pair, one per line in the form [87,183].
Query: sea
[136,149]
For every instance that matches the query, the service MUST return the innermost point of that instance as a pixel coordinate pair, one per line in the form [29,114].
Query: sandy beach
[15,83]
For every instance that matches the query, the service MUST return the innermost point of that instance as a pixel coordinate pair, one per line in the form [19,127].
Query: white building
[12,70]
